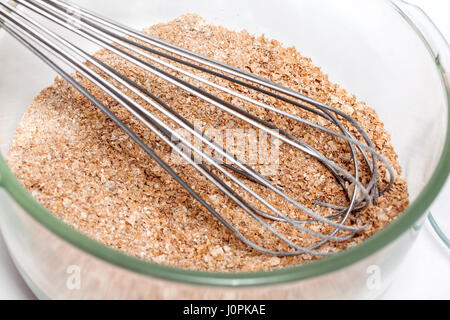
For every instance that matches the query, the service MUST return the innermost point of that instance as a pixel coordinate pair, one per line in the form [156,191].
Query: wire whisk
[174,65]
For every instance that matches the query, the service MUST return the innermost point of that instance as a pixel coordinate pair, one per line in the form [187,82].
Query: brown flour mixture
[87,172]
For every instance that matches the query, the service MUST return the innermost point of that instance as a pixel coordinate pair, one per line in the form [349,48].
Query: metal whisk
[152,55]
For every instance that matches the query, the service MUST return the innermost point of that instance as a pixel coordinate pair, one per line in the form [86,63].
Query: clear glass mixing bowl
[386,52]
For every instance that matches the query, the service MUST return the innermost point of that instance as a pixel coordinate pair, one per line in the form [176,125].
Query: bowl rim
[245,279]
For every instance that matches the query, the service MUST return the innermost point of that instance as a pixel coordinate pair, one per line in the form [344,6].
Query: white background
[425,273]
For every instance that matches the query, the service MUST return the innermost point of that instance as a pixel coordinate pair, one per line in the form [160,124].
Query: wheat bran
[87,172]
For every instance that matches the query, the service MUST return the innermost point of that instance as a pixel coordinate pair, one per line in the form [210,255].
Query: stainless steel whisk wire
[103,32]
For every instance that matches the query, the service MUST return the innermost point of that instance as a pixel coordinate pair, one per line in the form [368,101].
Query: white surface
[425,273]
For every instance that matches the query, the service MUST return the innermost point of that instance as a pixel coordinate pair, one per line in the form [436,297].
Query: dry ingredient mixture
[86,171]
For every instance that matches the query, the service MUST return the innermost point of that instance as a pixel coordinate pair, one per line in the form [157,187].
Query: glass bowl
[386,52]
